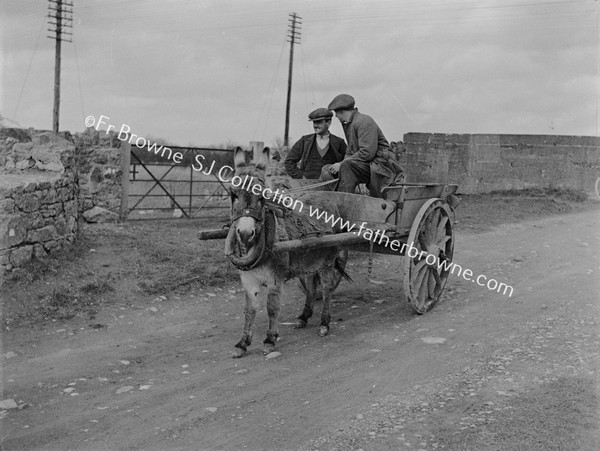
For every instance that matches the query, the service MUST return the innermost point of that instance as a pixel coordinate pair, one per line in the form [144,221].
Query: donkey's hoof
[300,324]
[237,353]
[323,331]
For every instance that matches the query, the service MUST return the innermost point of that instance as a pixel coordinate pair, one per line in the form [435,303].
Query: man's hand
[335,168]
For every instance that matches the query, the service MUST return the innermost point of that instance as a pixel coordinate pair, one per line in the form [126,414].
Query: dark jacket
[301,149]
[367,143]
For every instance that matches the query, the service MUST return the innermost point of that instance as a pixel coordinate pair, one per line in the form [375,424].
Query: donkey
[257,222]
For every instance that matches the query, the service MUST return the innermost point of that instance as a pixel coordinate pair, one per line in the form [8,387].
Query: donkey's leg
[310,283]
[251,286]
[327,281]
[273,308]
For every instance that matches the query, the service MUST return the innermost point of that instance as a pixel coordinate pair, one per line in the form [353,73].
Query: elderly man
[312,152]
[368,159]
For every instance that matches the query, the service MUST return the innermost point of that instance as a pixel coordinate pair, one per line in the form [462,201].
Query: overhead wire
[310,87]
[28,69]
[79,79]
[270,94]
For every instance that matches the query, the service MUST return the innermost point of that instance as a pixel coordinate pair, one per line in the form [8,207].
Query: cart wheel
[342,259]
[431,231]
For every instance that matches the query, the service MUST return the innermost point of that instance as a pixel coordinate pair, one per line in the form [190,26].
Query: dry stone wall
[48,185]
[99,170]
[37,219]
[38,196]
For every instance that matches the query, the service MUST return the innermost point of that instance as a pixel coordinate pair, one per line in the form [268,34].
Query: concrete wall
[484,163]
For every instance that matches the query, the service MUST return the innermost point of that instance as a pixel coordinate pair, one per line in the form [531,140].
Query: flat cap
[320,113]
[342,102]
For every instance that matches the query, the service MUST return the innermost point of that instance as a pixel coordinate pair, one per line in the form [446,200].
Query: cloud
[216,71]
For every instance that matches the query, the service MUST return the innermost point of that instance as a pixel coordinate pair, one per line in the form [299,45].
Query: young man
[311,152]
[368,159]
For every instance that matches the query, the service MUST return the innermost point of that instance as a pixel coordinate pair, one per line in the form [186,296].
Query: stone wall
[38,196]
[484,163]
[99,170]
[35,220]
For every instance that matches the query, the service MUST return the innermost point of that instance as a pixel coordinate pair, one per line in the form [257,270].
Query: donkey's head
[245,243]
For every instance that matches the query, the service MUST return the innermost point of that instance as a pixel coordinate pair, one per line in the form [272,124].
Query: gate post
[125,167]
[257,148]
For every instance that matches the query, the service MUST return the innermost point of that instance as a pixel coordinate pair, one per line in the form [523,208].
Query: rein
[309,187]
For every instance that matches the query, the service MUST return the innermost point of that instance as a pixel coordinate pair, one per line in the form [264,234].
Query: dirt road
[480,371]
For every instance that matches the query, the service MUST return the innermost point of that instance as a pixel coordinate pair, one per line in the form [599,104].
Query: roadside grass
[136,261]
[170,267]
[114,264]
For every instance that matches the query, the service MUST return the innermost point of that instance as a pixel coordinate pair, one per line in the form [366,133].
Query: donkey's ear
[263,160]
[241,157]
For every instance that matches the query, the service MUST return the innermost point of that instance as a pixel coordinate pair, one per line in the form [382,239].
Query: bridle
[265,232]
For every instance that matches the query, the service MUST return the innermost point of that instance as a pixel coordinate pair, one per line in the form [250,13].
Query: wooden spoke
[420,275]
[441,243]
[420,265]
[422,244]
[441,228]
[422,293]
[431,283]
[436,276]
[435,220]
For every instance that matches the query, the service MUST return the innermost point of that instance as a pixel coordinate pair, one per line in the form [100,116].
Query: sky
[208,73]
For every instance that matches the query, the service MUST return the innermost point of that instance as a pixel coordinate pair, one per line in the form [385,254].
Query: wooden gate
[155,187]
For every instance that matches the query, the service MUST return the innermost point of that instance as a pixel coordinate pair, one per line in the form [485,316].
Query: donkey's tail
[342,271]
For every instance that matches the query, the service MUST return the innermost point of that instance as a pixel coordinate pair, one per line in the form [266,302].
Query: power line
[266,110]
[79,80]
[308,84]
[28,70]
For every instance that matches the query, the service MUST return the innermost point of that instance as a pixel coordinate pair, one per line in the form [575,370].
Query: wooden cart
[412,220]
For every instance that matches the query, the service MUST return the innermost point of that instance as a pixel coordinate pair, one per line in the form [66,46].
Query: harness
[252,212]
[266,215]
[265,234]
[265,240]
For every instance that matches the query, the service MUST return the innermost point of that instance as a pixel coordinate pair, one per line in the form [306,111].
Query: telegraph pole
[293,38]
[60,14]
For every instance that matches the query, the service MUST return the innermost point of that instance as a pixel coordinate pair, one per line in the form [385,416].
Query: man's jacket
[367,143]
[301,150]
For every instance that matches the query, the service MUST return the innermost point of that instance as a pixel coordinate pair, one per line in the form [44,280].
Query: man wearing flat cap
[311,153]
[368,158]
